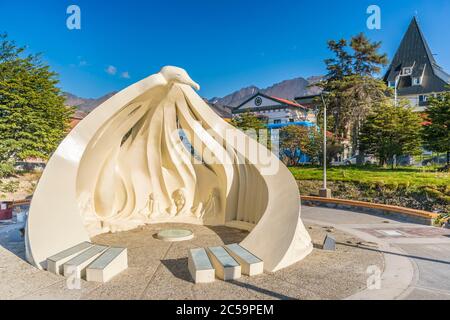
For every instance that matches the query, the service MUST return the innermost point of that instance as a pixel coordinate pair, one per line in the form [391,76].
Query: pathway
[417,258]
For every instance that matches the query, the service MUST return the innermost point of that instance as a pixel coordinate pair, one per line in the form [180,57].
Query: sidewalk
[417,257]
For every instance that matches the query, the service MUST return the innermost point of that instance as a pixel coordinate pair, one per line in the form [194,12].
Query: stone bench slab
[226,267]
[200,266]
[55,263]
[250,264]
[109,264]
[77,266]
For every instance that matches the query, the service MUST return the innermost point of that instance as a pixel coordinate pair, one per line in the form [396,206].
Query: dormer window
[417,81]
[407,71]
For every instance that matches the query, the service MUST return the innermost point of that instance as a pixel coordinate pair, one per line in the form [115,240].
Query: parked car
[354,160]
[435,160]
[404,161]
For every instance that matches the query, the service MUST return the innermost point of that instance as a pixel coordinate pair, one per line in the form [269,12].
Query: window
[291,120]
[423,98]
[391,84]
[417,81]
[407,71]
[278,121]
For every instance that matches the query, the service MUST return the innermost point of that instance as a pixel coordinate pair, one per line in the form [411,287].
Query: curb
[404,214]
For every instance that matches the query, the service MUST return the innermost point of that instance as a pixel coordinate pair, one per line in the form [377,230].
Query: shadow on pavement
[396,254]
[178,268]
[271,293]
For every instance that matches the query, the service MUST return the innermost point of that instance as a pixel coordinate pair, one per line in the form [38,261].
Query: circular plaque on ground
[174,235]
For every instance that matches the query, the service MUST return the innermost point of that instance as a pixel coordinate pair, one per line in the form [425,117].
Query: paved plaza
[414,262]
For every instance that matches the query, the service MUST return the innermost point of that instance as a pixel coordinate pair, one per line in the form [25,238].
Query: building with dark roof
[414,72]
[275,110]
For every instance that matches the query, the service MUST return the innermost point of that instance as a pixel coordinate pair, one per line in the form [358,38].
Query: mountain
[288,89]
[234,98]
[85,104]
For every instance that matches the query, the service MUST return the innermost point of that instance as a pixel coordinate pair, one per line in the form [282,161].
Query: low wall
[393,212]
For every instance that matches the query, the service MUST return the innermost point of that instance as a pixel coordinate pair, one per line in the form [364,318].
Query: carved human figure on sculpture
[179,200]
[212,205]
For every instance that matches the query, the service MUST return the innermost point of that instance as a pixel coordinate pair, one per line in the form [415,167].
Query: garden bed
[409,188]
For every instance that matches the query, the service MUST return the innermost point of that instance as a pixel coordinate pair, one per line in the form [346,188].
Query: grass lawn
[411,178]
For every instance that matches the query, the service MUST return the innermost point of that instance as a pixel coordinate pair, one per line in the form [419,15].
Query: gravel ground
[158,270]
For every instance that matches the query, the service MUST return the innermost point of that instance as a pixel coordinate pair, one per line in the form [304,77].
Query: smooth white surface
[175,235]
[56,262]
[79,263]
[200,266]
[250,265]
[226,267]
[122,167]
[110,263]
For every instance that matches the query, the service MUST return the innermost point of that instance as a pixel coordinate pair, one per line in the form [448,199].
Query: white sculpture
[126,165]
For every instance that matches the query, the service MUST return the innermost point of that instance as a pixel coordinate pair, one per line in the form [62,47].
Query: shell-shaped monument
[156,153]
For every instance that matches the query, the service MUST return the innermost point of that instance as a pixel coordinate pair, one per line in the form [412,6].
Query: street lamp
[324,192]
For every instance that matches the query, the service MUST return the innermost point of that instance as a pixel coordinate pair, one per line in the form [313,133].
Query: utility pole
[324,192]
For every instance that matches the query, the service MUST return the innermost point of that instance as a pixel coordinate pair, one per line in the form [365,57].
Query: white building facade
[275,110]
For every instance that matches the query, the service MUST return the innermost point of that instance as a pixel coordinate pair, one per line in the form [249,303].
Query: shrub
[9,186]
[6,169]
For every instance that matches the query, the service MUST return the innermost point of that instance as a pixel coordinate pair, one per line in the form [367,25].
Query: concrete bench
[55,263]
[110,263]
[250,264]
[200,266]
[78,264]
[226,267]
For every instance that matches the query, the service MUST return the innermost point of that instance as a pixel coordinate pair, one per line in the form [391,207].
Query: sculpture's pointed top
[178,75]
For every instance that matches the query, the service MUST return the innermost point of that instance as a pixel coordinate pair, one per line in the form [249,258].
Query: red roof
[288,102]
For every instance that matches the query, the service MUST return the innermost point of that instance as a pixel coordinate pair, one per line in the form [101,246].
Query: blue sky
[224,44]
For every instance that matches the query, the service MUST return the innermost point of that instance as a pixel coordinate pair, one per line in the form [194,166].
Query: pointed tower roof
[414,52]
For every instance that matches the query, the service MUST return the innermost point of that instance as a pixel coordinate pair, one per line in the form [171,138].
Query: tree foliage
[353,89]
[248,120]
[251,124]
[437,133]
[391,131]
[297,140]
[33,118]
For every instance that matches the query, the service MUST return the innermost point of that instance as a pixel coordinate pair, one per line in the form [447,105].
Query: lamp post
[324,192]
[397,80]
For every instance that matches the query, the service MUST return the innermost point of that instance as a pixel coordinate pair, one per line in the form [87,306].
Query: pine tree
[366,59]
[437,133]
[33,118]
[353,89]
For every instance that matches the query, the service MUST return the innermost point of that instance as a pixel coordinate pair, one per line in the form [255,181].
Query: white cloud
[82,63]
[111,70]
[125,75]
